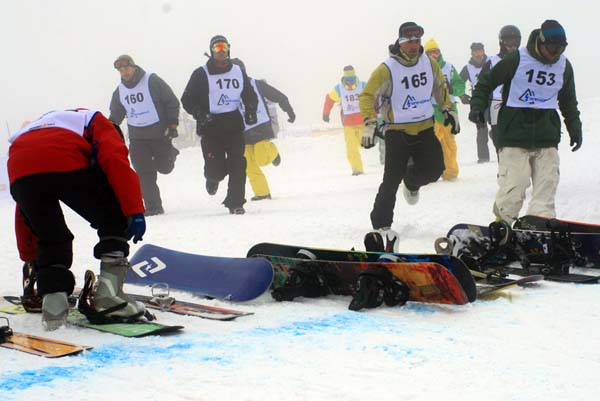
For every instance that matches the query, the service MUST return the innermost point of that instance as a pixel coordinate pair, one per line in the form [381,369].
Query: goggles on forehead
[410,34]
[220,47]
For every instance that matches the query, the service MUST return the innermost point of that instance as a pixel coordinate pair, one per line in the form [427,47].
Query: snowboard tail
[231,279]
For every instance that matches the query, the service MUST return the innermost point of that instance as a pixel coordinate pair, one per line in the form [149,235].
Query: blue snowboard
[231,279]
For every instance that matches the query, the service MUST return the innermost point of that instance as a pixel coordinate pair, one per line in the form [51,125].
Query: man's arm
[163,95]
[366,100]
[567,102]
[117,111]
[195,96]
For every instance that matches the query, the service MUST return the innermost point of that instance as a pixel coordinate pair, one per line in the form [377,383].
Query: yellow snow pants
[353,134]
[449,148]
[259,155]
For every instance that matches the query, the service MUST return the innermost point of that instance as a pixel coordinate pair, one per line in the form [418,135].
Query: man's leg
[483,153]
[545,175]
[265,152]
[142,159]
[236,169]
[352,135]
[257,179]
[214,161]
[396,157]
[449,149]
[514,176]
[428,159]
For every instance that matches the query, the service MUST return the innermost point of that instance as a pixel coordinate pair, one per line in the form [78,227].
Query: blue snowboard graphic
[231,279]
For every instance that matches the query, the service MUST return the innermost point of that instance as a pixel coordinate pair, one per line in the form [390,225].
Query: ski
[35,345]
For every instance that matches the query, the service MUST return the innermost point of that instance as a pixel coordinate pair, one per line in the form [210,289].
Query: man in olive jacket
[537,80]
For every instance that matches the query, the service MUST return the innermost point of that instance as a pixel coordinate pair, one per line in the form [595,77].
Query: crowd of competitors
[409,100]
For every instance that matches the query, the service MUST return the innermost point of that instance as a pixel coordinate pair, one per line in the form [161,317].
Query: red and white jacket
[67,140]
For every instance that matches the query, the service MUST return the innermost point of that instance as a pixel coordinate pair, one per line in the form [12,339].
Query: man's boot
[55,309]
[109,289]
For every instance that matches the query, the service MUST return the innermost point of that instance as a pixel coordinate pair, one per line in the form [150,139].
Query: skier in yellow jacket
[456,87]
[346,93]
[406,81]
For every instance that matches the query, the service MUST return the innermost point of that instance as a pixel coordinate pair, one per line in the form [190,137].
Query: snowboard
[12,305]
[488,290]
[471,243]
[40,346]
[231,279]
[190,309]
[140,328]
[538,223]
[427,281]
[451,263]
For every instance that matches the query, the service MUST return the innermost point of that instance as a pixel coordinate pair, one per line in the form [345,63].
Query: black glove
[451,118]
[465,99]
[476,116]
[250,117]
[291,116]
[576,140]
[203,119]
[326,119]
[171,133]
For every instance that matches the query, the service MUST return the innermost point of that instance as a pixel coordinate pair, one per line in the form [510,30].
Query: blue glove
[137,227]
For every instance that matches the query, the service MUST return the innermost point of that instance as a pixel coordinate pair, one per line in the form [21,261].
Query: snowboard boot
[212,186]
[411,197]
[377,285]
[260,197]
[383,239]
[55,309]
[277,160]
[109,290]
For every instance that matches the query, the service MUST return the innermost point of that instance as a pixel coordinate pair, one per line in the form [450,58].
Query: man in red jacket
[76,157]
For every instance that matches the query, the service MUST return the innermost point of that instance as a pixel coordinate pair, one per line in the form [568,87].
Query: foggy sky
[59,54]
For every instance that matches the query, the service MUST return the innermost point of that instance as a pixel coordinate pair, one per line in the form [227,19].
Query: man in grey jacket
[152,112]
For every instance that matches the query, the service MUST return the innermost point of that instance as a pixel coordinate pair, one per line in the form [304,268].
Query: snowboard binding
[377,285]
[374,241]
[5,331]
[30,299]
[304,281]
[86,307]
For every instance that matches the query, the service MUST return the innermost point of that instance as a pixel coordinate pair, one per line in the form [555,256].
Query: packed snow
[531,344]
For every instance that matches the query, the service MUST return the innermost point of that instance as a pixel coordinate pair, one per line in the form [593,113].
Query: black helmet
[509,31]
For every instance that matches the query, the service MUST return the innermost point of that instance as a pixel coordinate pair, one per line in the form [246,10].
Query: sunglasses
[220,47]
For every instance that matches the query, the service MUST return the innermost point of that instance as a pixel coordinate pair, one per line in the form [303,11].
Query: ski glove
[203,119]
[476,116]
[465,99]
[171,133]
[326,119]
[576,140]
[451,118]
[368,136]
[291,116]
[137,227]
[250,118]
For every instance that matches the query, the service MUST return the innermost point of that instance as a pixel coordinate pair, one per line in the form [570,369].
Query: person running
[260,151]
[536,81]
[152,112]
[346,94]
[470,72]
[408,80]
[213,95]
[444,133]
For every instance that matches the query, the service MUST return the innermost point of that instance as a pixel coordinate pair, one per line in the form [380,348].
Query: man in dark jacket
[260,151]
[537,80]
[470,72]
[152,112]
[213,95]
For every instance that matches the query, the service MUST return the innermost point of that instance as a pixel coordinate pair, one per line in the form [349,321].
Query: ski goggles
[554,48]
[220,47]
[119,64]
[433,52]
[411,34]
[349,80]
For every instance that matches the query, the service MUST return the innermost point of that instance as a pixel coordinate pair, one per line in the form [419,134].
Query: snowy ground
[536,344]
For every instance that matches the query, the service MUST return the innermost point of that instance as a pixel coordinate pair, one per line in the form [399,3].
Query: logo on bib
[223,100]
[411,102]
[529,97]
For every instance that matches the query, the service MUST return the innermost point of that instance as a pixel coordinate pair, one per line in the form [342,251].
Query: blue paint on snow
[205,348]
